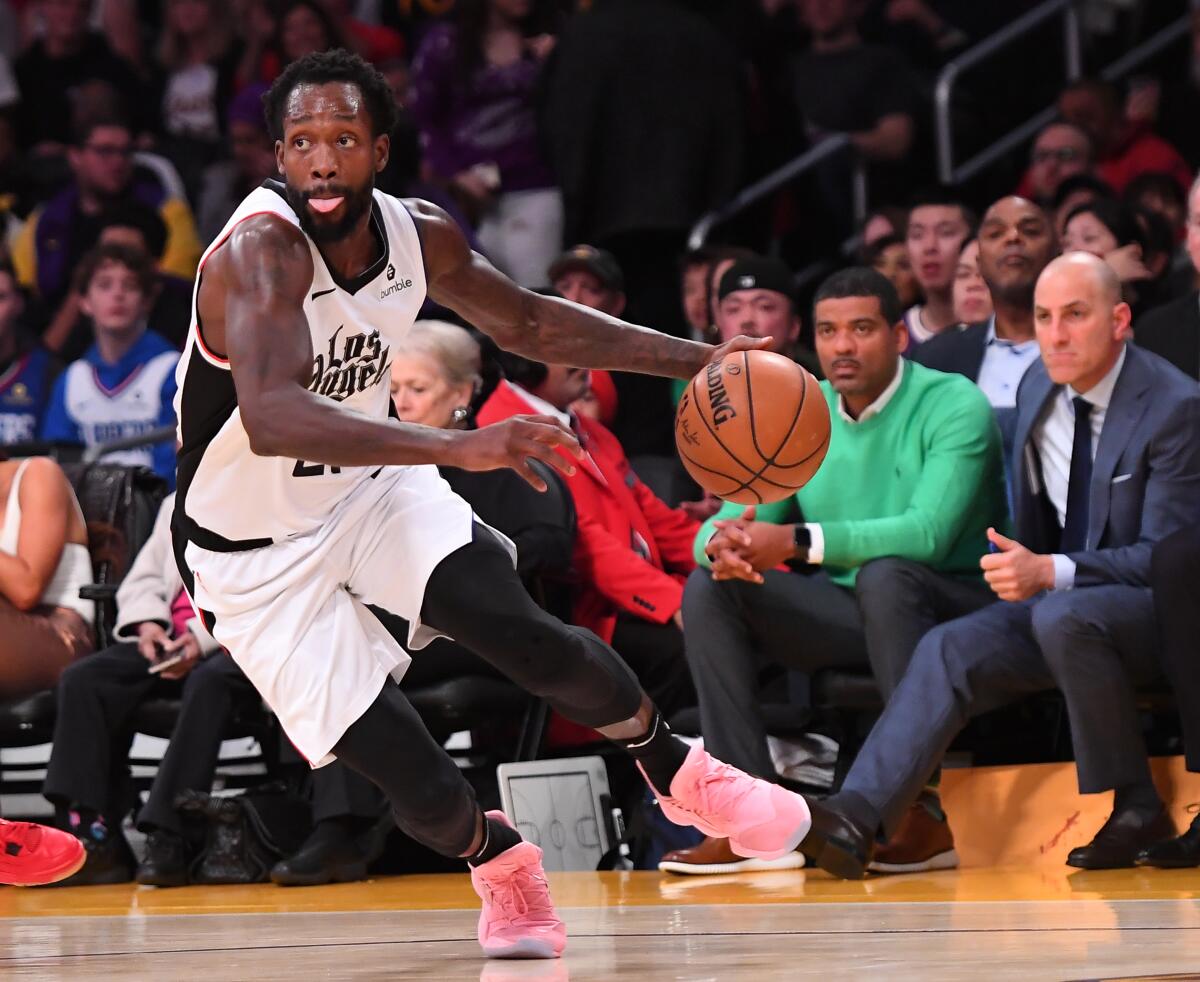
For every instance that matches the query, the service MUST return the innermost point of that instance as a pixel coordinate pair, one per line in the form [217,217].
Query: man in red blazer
[632,553]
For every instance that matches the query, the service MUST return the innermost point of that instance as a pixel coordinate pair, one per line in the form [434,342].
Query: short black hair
[1114,216]
[1081,182]
[861,281]
[868,255]
[946,198]
[1155,182]
[134,214]
[337,65]
[84,128]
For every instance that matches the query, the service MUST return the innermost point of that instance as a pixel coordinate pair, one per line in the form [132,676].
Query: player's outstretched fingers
[551,430]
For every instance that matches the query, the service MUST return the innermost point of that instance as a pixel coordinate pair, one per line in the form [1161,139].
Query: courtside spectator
[87,778]
[1123,149]
[632,552]
[44,624]
[124,385]
[1107,465]
[1109,230]
[1015,244]
[1161,194]
[878,568]
[1061,150]
[474,81]
[27,370]
[938,225]
[972,300]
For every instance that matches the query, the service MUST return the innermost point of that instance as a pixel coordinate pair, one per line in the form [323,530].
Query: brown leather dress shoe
[923,842]
[1120,840]
[714,856]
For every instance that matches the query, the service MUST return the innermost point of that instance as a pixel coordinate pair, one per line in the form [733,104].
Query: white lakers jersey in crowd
[231,499]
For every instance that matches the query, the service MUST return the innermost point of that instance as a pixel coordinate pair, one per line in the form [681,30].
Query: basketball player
[300,502]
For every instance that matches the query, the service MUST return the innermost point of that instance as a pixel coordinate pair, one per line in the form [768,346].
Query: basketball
[752,428]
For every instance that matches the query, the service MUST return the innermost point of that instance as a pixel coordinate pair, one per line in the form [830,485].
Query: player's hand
[188,646]
[743,342]
[1015,573]
[512,442]
[151,638]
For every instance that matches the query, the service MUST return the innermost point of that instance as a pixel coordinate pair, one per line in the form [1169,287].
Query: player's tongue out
[324,205]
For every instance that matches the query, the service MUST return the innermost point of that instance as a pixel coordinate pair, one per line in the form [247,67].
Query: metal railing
[807,161]
[944,91]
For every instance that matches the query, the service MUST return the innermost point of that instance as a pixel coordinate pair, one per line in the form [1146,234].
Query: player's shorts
[293,614]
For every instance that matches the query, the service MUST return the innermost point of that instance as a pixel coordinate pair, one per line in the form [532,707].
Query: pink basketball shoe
[518,919]
[761,820]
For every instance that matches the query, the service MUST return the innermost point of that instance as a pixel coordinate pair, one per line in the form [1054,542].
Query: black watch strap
[802,539]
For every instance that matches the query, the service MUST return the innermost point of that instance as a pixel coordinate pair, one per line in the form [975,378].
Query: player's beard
[325,230]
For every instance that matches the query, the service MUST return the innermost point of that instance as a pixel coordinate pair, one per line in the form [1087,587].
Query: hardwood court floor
[973,924]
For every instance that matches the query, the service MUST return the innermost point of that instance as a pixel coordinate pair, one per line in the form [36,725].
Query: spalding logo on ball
[752,428]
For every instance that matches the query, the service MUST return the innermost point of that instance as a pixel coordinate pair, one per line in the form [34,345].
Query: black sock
[660,753]
[497,838]
[1140,798]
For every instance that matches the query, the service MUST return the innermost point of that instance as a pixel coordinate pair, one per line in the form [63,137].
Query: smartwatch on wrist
[802,541]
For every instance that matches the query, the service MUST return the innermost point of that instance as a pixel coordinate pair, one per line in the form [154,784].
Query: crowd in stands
[1011,499]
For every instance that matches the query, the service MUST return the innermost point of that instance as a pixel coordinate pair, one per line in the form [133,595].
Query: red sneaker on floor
[31,855]
[761,820]
[518,918]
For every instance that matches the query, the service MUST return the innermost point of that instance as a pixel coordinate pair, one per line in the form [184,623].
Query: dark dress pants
[1092,643]
[1175,581]
[97,698]
[733,629]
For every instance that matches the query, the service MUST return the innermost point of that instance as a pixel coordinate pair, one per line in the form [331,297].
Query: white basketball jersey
[228,497]
[134,407]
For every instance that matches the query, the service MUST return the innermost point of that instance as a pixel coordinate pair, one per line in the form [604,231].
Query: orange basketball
[752,428]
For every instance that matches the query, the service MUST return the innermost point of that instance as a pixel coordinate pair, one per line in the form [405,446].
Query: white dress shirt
[1053,437]
[541,407]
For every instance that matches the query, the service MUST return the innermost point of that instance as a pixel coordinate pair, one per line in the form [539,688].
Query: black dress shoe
[1121,839]
[839,842]
[331,856]
[1180,852]
[109,860]
[166,860]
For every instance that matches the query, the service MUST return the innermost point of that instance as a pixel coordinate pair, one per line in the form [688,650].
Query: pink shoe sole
[524,948]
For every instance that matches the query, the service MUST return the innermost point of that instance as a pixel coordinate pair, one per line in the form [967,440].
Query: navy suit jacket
[1145,478]
[955,351]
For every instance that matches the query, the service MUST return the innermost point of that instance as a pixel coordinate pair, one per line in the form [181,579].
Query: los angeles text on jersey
[351,365]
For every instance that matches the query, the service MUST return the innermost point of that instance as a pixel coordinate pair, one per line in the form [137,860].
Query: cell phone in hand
[159,666]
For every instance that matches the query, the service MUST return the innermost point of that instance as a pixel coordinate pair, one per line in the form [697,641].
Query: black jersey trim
[378,231]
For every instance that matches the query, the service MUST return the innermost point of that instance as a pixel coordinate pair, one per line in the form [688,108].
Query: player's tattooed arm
[252,307]
[546,328]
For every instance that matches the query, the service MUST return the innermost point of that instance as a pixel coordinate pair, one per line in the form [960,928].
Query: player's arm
[548,329]
[266,269]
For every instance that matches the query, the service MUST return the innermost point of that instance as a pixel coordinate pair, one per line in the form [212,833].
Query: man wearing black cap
[755,296]
[636,408]
[590,276]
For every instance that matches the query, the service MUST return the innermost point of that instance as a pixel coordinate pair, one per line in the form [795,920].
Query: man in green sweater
[883,544]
